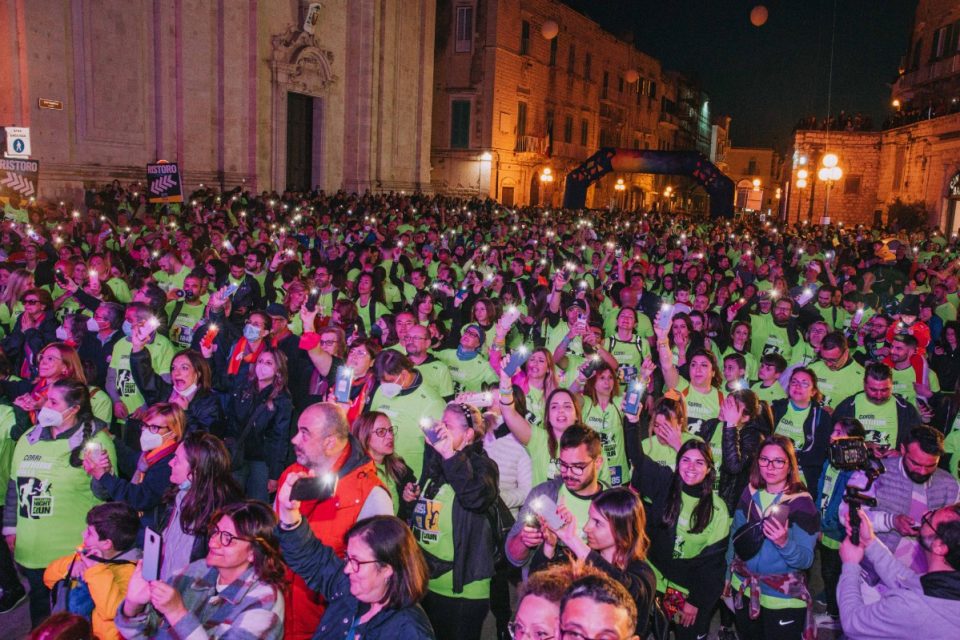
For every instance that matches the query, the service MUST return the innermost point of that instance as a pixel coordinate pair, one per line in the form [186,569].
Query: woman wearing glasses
[450,521]
[162,430]
[32,330]
[371,593]
[360,359]
[236,591]
[775,530]
[801,417]
[374,431]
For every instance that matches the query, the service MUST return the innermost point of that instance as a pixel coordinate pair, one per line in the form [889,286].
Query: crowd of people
[372,416]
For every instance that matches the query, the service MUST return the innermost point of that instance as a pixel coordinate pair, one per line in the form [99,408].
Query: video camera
[853,454]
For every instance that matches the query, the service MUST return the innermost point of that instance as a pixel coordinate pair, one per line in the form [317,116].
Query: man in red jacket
[324,447]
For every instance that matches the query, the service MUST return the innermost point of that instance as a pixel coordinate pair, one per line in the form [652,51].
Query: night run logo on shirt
[34,498]
[426,520]
[873,426]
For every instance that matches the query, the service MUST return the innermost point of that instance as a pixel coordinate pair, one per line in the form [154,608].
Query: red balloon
[759,15]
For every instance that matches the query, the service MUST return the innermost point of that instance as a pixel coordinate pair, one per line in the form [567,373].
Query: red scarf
[237,356]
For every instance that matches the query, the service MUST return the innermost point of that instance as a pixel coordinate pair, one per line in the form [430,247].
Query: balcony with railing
[669,120]
[536,145]
[930,72]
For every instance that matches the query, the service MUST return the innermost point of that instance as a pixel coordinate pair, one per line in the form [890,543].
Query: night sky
[767,78]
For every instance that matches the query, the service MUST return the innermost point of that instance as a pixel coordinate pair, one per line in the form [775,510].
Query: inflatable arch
[689,163]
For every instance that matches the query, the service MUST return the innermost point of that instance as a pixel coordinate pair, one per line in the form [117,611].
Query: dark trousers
[773,624]
[9,581]
[39,595]
[700,628]
[506,574]
[455,618]
[830,566]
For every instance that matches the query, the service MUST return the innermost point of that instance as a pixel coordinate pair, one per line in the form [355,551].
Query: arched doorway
[535,189]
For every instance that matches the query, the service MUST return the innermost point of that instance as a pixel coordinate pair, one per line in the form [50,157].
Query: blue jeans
[253,476]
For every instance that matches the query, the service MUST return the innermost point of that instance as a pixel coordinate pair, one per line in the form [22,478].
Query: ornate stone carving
[300,64]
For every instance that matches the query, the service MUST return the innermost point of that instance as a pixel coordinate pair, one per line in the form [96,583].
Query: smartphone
[429,428]
[311,302]
[152,548]
[779,512]
[344,383]
[665,317]
[518,357]
[231,289]
[59,276]
[582,323]
[478,399]
[546,508]
[631,405]
[317,488]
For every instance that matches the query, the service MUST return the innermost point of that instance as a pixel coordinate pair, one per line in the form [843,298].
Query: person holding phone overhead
[457,489]
[236,591]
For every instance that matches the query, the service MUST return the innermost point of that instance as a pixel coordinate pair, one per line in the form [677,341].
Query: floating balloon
[759,15]
[550,29]
[631,76]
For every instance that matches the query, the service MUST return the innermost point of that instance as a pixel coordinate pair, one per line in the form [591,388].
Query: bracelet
[290,526]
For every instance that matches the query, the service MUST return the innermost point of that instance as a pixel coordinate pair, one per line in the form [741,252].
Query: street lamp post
[620,188]
[829,173]
[802,175]
[546,179]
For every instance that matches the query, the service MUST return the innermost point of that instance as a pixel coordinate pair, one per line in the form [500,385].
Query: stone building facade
[746,164]
[236,91]
[916,155]
[531,88]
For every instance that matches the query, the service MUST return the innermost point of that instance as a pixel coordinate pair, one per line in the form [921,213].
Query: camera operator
[910,486]
[914,604]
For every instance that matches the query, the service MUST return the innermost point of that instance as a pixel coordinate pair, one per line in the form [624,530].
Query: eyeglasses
[328,343]
[519,632]
[383,431]
[154,428]
[225,538]
[567,634]
[803,384]
[33,301]
[927,519]
[775,463]
[575,468]
[355,564]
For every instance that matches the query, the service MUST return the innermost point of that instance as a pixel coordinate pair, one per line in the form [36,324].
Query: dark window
[586,66]
[568,129]
[603,87]
[525,38]
[752,166]
[553,51]
[653,89]
[464,34]
[917,46]
[460,124]
[521,119]
[620,85]
[571,59]
[851,184]
[584,130]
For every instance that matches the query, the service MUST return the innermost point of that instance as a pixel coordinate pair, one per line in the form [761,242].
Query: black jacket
[203,413]
[702,575]
[323,572]
[731,483]
[256,432]
[36,338]
[816,436]
[98,353]
[740,448]
[145,496]
[474,479]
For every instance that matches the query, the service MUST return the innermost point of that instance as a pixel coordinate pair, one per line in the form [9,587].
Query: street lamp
[829,173]
[620,188]
[802,175]
[756,184]
[546,179]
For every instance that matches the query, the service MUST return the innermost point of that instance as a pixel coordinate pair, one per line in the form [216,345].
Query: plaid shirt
[247,609]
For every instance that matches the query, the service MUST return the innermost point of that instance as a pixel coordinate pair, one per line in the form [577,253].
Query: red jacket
[329,520]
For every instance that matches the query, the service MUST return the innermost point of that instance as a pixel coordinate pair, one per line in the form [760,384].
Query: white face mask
[390,389]
[92,325]
[188,391]
[48,417]
[149,440]
[62,334]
